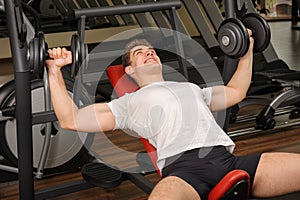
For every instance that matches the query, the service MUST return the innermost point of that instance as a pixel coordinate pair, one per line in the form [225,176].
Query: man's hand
[60,58]
[250,50]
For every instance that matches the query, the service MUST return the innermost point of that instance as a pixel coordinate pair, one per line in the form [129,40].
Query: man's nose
[149,53]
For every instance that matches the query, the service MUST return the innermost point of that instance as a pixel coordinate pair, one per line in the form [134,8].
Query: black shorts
[203,168]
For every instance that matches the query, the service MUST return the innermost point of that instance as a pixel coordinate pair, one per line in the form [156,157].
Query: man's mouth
[150,60]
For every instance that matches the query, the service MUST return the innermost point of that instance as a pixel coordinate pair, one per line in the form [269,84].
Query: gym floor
[286,43]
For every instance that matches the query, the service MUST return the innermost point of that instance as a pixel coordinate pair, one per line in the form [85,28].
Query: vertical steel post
[17,37]
[178,43]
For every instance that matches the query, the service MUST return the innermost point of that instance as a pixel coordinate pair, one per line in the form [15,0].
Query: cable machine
[18,31]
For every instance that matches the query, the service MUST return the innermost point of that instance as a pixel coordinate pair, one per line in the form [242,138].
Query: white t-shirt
[173,116]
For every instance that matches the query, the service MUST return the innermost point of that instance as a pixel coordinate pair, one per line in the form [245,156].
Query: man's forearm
[241,79]
[63,104]
[236,90]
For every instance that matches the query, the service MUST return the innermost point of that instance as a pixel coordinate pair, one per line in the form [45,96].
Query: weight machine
[23,111]
[274,74]
[46,135]
[25,117]
[277,71]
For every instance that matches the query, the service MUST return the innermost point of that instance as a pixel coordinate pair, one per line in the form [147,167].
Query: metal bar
[43,117]
[9,168]
[17,33]
[140,17]
[201,24]
[230,8]
[213,13]
[178,43]
[8,113]
[253,130]
[180,27]
[159,18]
[128,19]
[60,7]
[48,129]
[140,181]
[126,9]
[93,3]
[283,97]
[62,189]
[112,19]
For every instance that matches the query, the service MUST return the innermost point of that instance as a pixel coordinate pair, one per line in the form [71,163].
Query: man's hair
[136,42]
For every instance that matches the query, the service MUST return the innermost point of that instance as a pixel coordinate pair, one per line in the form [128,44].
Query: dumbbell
[234,39]
[37,54]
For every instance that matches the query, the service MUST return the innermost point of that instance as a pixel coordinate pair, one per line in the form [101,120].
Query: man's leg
[173,188]
[277,174]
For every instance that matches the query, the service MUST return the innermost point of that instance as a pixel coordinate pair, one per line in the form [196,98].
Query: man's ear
[129,70]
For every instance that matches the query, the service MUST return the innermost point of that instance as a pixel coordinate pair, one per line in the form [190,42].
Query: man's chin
[150,64]
[149,68]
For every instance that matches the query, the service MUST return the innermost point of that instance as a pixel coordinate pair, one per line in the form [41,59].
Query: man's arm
[235,91]
[92,118]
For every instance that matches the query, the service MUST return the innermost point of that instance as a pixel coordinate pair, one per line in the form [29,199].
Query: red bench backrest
[122,85]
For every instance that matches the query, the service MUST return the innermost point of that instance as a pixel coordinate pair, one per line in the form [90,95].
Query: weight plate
[76,58]
[85,57]
[260,31]
[233,38]
[30,54]
[41,56]
[35,56]
[65,146]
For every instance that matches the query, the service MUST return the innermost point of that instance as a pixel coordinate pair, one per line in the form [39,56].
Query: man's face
[143,55]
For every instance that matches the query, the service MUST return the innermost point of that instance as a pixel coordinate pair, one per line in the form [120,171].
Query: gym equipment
[100,175]
[69,150]
[69,147]
[207,19]
[265,119]
[234,38]
[79,49]
[23,111]
[295,15]
[199,19]
[260,30]
[279,82]
[234,185]
[37,50]
[93,21]
[37,53]
[47,132]
[267,66]
[127,18]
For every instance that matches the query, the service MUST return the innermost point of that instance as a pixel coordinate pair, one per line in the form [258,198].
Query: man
[193,151]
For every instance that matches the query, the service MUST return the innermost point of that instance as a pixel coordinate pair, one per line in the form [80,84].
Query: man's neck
[148,80]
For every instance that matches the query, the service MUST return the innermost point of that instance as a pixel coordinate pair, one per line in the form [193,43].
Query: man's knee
[276,174]
[173,188]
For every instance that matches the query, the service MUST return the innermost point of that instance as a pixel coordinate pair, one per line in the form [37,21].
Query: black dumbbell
[79,54]
[233,36]
[37,54]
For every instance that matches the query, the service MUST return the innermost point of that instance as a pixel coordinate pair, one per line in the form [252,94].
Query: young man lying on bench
[194,153]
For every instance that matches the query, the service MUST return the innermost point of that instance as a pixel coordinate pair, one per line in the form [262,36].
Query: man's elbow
[67,125]
[241,96]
